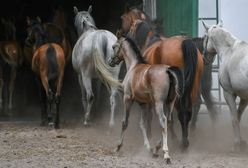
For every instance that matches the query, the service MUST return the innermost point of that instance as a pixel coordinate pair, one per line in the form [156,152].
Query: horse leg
[83,92]
[144,118]
[163,123]
[242,105]
[230,99]
[57,119]
[184,115]
[1,89]
[206,94]
[89,98]
[127,105]
[195,111]
[58,98]
[113,105]
[11,86]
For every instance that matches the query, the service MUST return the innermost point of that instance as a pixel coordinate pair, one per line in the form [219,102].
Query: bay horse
[90,57]
[10,58]
[48,63]
[154,85]
[233,71]
[178,51]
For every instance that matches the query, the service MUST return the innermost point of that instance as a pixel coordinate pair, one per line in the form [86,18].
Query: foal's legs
[163,123]
[144,127]
[230,99]
[127,105]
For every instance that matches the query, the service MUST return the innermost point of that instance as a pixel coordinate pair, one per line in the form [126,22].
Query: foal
[153,85]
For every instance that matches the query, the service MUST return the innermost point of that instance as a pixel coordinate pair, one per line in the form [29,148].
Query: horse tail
[103,69]
[53,70]
[190,64]
[176,76]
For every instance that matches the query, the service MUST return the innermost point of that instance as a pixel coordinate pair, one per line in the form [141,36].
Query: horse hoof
[167,160]
[154,153]
[117,149]
[86,124]
[51,125]
[240,147]
[111,124]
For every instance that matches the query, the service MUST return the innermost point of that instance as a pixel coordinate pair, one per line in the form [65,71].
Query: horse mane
[199,43]
[138,54]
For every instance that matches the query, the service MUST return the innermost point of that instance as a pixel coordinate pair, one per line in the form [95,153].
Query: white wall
[234,14]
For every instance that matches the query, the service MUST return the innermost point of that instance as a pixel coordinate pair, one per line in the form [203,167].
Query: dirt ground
[24,144]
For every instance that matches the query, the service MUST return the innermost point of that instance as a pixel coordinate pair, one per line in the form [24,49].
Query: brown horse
[48,63]
[152,85]
[10,57]
[178,51]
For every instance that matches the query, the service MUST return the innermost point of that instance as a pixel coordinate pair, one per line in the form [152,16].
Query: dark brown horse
[177,51]
[48,63]
[10,58]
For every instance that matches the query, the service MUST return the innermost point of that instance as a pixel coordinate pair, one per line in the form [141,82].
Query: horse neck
[87,29]
[129,57]
[223,42]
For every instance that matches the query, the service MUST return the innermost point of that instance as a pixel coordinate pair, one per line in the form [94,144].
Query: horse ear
[205,25]
[75,10]
[90,9]
[220,24]
[38,19]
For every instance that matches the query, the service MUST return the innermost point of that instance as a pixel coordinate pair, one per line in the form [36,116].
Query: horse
[48,63]
[206,85]
[232,72]
[10,59]
[145,84]
[90,57]
[178,51]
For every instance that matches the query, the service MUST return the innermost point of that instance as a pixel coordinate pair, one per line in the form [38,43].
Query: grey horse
[90,57]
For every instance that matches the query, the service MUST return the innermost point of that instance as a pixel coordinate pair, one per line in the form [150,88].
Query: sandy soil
[24,144]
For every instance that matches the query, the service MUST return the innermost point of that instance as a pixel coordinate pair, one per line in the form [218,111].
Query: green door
[179,17]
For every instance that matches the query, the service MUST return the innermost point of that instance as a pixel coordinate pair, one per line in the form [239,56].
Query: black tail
[176,76]
[190,62]
[52,63]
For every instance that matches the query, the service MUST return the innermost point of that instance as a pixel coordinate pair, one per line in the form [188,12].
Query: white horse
[90,57]
[233,72]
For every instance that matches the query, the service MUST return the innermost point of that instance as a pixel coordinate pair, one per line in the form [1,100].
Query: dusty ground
[25,144]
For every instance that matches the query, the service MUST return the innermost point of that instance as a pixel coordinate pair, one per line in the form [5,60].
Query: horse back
[148,82]
[49,60]
[169,51]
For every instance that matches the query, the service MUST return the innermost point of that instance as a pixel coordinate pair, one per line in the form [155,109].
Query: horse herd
[163,75]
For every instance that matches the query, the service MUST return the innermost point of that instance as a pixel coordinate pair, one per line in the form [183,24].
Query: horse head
[130,16]
[209,50]
[117,57]
[36,35]
[83,20]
